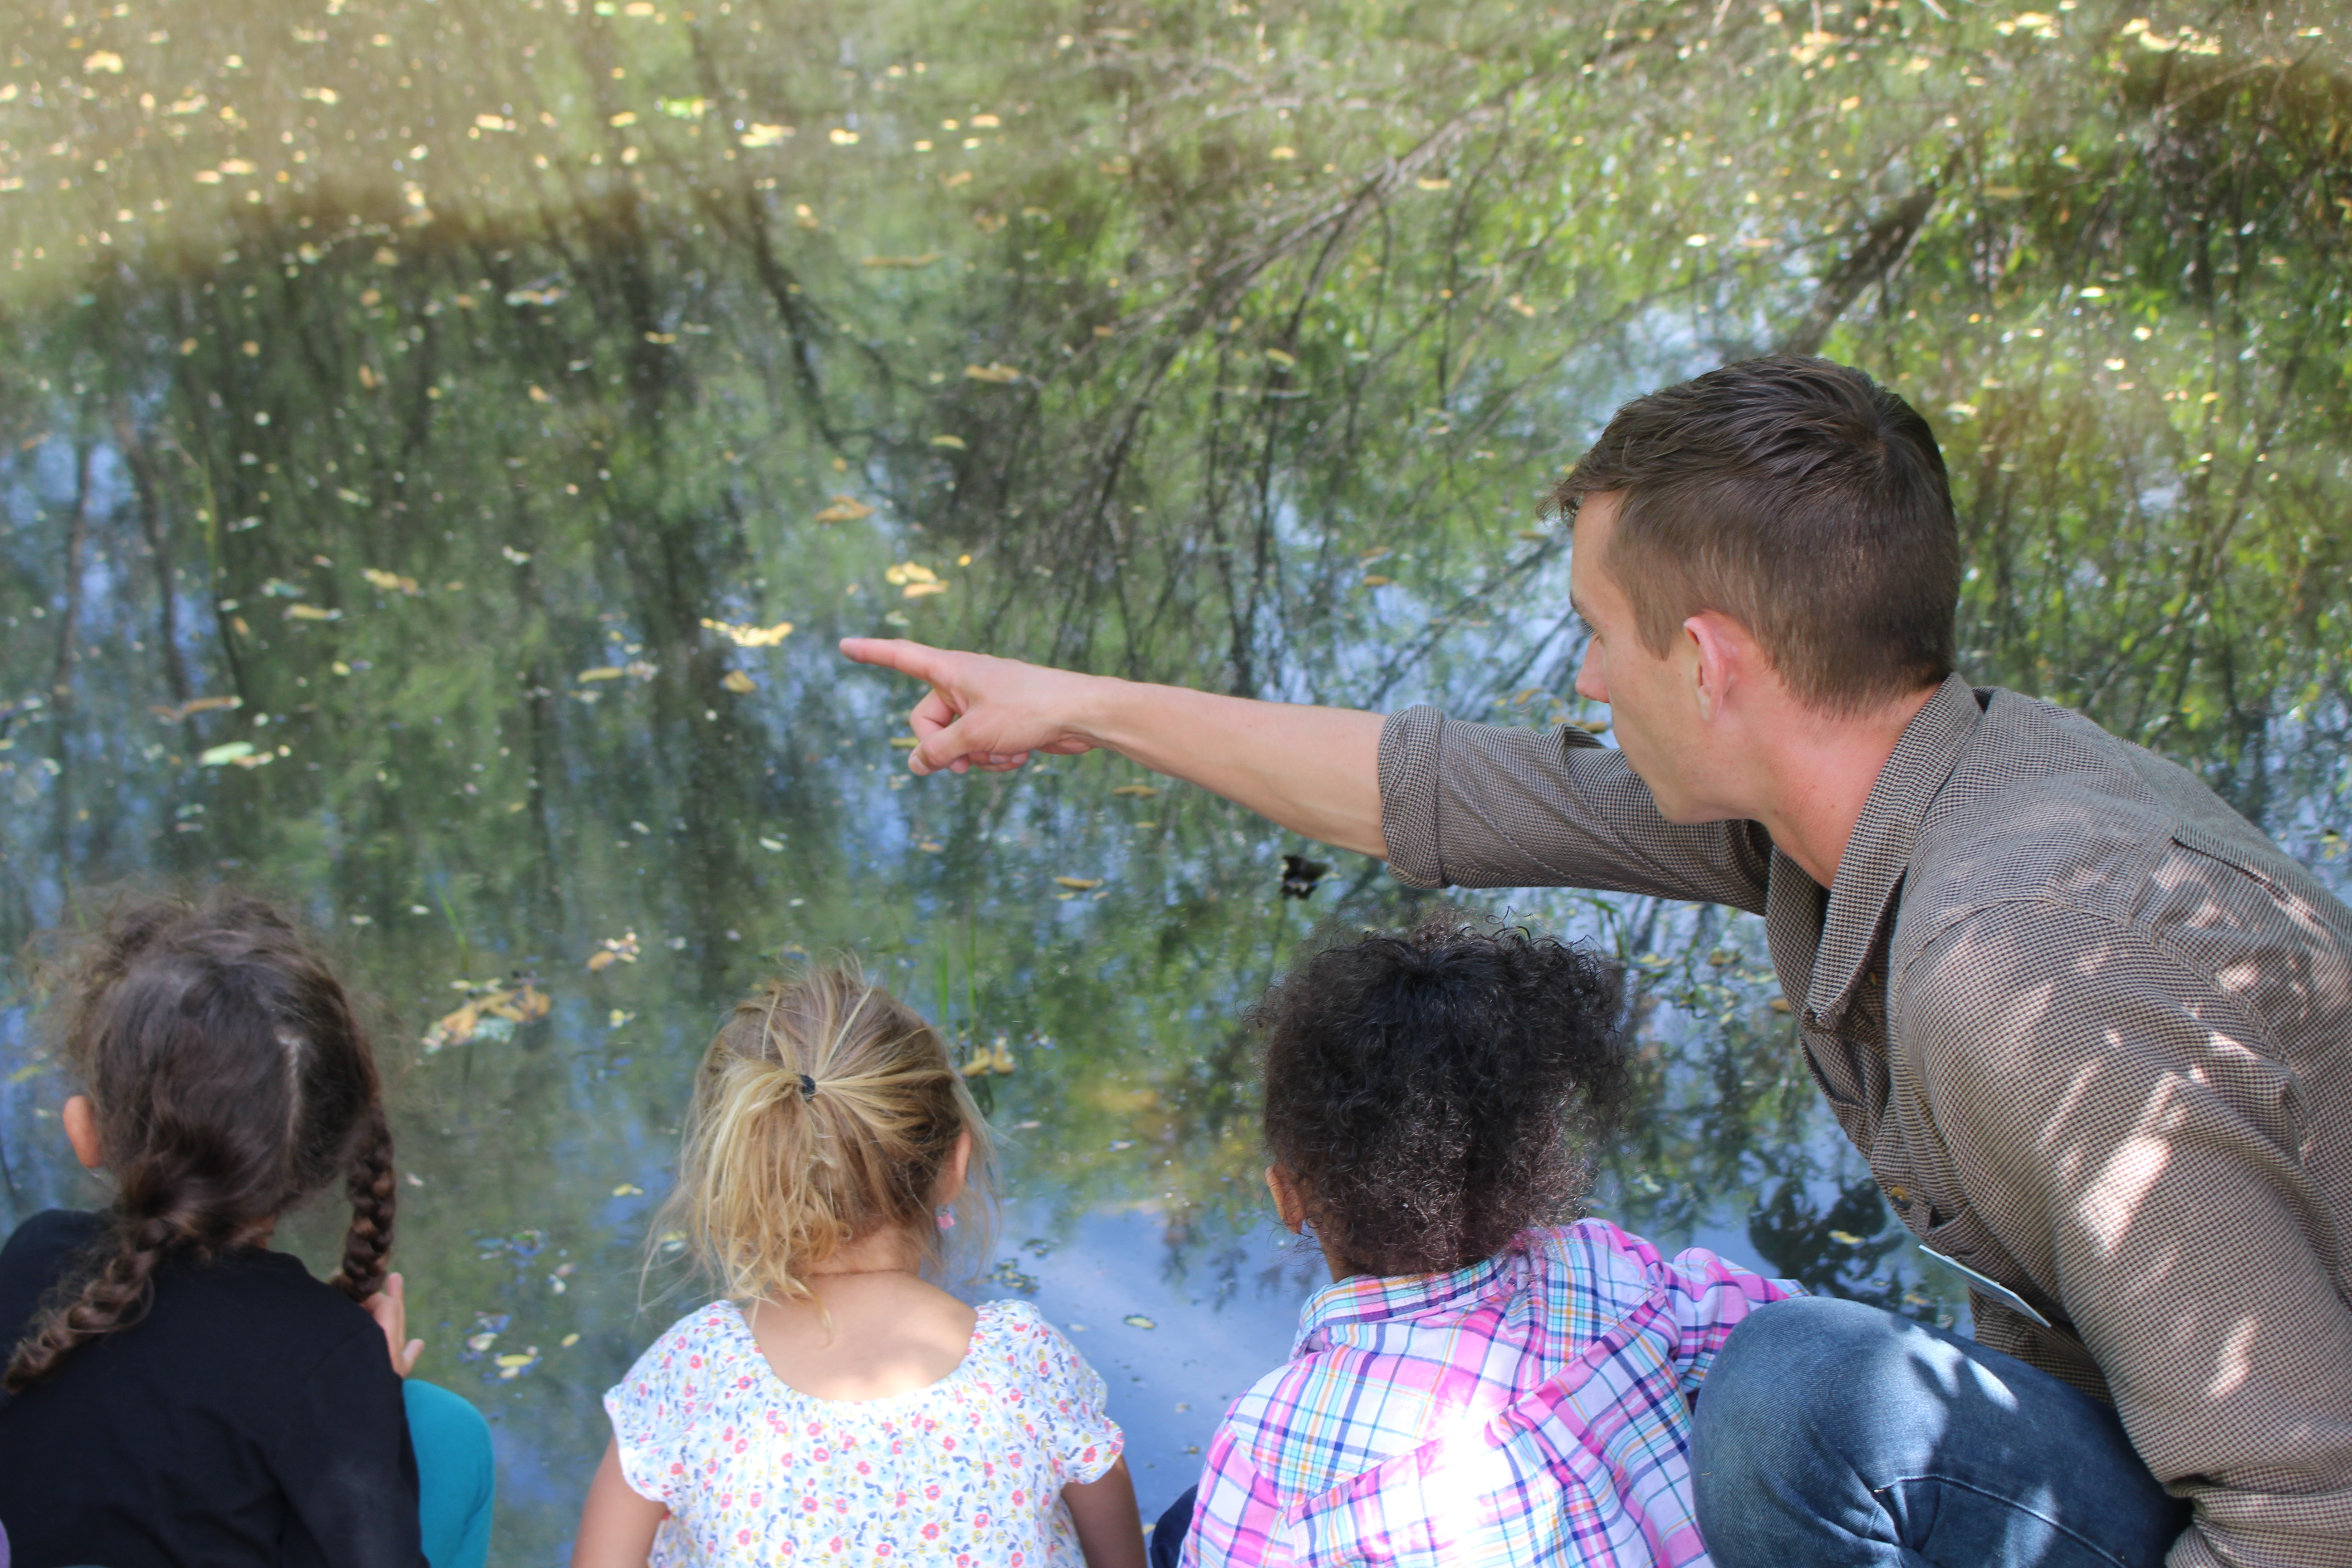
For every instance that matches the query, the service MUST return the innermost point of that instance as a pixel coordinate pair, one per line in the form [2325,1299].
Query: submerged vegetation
[438,446]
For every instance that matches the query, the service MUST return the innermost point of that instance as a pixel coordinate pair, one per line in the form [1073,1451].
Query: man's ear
[81,1119]
[1287,1203]
[1718,652]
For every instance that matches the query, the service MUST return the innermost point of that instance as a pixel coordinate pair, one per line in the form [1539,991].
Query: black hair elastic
[808,1087]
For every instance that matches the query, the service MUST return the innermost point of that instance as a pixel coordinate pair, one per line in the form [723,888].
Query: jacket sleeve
[2131,1139]
[1475,805]
[342,1452]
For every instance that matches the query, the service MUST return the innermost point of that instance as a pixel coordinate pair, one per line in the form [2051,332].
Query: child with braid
[833,1406]
[178,1393]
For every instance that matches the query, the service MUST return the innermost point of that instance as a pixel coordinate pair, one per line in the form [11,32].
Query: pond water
[439,445]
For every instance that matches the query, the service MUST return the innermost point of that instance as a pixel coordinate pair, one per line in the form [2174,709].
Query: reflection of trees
[1221,391]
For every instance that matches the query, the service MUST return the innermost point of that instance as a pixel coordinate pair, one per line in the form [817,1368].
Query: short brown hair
[1799,498]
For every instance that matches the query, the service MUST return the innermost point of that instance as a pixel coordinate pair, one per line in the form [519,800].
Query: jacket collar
[1879,852]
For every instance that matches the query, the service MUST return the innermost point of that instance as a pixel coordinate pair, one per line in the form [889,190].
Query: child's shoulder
[709,1332]
[1604,1259]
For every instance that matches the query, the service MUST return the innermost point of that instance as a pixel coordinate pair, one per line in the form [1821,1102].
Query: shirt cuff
[1410,744]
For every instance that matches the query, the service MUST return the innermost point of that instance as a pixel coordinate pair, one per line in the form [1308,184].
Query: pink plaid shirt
[1533,1408]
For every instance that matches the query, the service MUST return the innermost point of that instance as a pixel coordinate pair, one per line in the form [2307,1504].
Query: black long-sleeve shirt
[251,1417]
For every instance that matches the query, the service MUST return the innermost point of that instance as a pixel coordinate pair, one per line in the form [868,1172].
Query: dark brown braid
[367,1245]
[230,1081]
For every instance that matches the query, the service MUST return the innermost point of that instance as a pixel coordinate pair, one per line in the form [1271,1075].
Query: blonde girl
[834,1406]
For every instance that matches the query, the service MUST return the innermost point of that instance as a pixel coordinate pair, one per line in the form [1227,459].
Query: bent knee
[1790,1355]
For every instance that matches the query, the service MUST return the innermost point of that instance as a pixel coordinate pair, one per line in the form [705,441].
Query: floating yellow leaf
[994,374]
[735,680]
[1135,791]
[311,612]
[904,262]
[960,177]
[904,742]
[1428,184]
[1078,884]
[952,443]
[621,949]
[603,672]
[1375,580]
[986,121]
[841,138]
[750,637]
[1137,1321]
[236,166]
[626,117]
[628,1190]
[764,135]
[103,60]
[844,509]
[220,756]
[195,705]
[1282,153]
[1845,1237]
[539,393]
[989,1059]
[326,95]
[390,582]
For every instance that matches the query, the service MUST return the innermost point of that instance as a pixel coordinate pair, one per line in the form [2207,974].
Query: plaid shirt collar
[1879,851]
[1371,1299]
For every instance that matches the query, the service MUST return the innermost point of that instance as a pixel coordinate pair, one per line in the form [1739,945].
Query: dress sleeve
[652,1408]
[1082,1439]
[339,1449]
[1477,805]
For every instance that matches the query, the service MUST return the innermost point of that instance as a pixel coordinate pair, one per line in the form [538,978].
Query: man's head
[1801,499]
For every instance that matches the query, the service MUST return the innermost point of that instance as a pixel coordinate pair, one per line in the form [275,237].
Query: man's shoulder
[2047,817]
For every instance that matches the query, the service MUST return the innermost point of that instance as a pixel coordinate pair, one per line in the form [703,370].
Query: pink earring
[945,1214]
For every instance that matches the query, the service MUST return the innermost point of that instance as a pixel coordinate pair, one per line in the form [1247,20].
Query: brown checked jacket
[2092,1031]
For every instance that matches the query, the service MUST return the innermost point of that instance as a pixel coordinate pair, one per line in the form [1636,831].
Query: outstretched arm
[1315,771]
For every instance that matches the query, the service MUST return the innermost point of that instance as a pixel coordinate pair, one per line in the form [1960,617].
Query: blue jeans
[1832,1433]
[454,1475]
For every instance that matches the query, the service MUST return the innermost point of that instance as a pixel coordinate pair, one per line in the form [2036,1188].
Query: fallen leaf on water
[390,582]
[841,138]
[621,949]
[990,1059]
[603,672]
[952,443]
[1282,359]
[904,742]
[219,756]
[1135,791]
[748,636]
[995,374]
[844,509]
[908,572]
[628,1190]
[1078,884]
[103,60]
[195,705]
[539,393]
[568,1342]
[452,1029]
[1137,1321]
[1427,184]
[311,612]
[626,117]
[923,590]
[1375,580]
[1780,1005]
[763,135]
[924,259]
[1845,1237]
[735,680]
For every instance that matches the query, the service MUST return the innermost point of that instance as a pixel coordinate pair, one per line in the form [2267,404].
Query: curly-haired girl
[178,1393]
[1483,1383]
[833,1406]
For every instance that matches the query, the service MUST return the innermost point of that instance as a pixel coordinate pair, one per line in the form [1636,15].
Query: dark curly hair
[1436,1093]
[231,1080]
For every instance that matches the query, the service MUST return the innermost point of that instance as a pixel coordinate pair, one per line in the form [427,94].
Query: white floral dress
[968,1472]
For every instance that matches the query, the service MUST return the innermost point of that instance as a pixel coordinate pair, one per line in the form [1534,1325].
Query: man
[2088,1026]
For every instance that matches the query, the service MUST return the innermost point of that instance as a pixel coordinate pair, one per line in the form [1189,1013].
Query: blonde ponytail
[825,1112]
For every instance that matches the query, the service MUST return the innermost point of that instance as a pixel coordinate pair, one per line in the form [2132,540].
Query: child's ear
[81,1120]
[958,1162]
[1287,1203]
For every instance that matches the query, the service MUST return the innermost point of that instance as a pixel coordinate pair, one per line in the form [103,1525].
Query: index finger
[894,653]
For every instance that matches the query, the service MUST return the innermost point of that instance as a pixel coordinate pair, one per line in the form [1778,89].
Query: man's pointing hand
[982,711]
